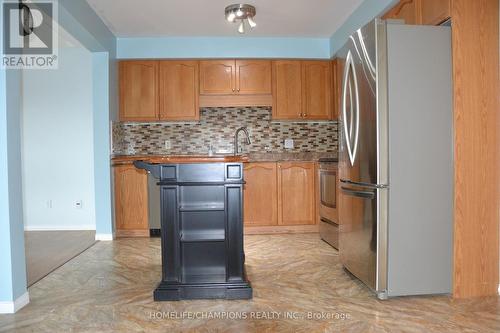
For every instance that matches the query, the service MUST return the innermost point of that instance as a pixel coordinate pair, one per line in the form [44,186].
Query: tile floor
[299,286]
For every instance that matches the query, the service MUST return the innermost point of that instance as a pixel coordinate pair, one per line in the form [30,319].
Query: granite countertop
[251,157]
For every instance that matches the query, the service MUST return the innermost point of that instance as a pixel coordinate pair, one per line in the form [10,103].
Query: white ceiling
[275,18]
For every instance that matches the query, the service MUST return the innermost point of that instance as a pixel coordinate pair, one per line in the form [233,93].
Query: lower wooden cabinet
[131,201]
[296,193]
[280,194]
[261,195]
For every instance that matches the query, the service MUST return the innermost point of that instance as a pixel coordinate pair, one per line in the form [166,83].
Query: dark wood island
[201,231]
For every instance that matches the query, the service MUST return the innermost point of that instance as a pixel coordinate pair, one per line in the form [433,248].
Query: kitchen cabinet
[337,73]
[261,194]
[435,12]
[317,90]
[407,10]
[296,193]
[217,77]
[287,89]
[253,77]
[131,201]
[302,90]
[138,90]
[280,195]
[240,77]
[179,90]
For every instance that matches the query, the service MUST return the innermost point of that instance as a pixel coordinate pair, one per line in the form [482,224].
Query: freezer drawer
[358,232]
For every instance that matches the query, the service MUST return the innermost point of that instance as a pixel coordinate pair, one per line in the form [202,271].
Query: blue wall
[366,12]
[12,258]
[57,117]
[102,145]
[223,47]
[81,21]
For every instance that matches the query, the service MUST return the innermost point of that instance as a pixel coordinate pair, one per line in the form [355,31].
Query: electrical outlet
[167,144]
[288,143]
[78,204]
[49,203]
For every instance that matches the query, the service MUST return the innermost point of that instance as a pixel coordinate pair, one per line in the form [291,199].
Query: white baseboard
[13,307]
[59,227]
[104,237]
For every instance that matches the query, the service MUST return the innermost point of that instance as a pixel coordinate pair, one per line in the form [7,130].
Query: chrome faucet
[244,129]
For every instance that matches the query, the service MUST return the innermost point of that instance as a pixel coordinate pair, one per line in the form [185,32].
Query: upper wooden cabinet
[179,90]
[241,77]
[131,201]
[287,89]
[296,193]
[435,12]
[302,90]
[431,12]
[261,194]
[337,72]
[407,10]
[139,90]
[217,77]
[317,90]
[253,77]
[158,90]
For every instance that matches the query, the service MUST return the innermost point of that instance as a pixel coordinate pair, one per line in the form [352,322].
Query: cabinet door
[287,89]
[260,194]
[435,12]
[179,90]
[217,77]
[317,89]
[407,10]
[131,199]
[138,90]
[253,77]
[337,72]
[296,195]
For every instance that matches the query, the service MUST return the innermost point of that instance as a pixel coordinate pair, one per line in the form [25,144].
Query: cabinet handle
[233,89]
[305,115]
[301,115]
[238,89]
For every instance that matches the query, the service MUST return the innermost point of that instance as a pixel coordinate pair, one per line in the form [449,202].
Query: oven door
[328,186]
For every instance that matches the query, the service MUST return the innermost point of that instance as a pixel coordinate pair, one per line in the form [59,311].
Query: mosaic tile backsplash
[217,127]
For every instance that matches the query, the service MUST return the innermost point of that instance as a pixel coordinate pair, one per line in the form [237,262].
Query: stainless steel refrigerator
[396,158]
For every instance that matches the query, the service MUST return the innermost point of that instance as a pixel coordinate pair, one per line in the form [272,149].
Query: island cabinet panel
[179,90]
[287,89]
[261,194]
[407,10]
[317,90]
[253,77]
[296,193]
[217,77]
[201,231]
[131,201]
[435,12]
[138,90]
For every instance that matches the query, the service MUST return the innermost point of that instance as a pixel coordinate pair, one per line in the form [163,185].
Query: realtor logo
[30,34]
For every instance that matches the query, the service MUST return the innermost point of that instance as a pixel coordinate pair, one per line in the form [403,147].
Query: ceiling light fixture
[239,13]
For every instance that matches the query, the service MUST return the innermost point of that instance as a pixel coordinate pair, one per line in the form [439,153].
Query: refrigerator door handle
[351,86]
[359,194]
[374,186]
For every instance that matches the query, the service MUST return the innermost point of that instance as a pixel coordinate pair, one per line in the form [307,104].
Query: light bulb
[231,17]
[241,28]
[239,13]
[251,22]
